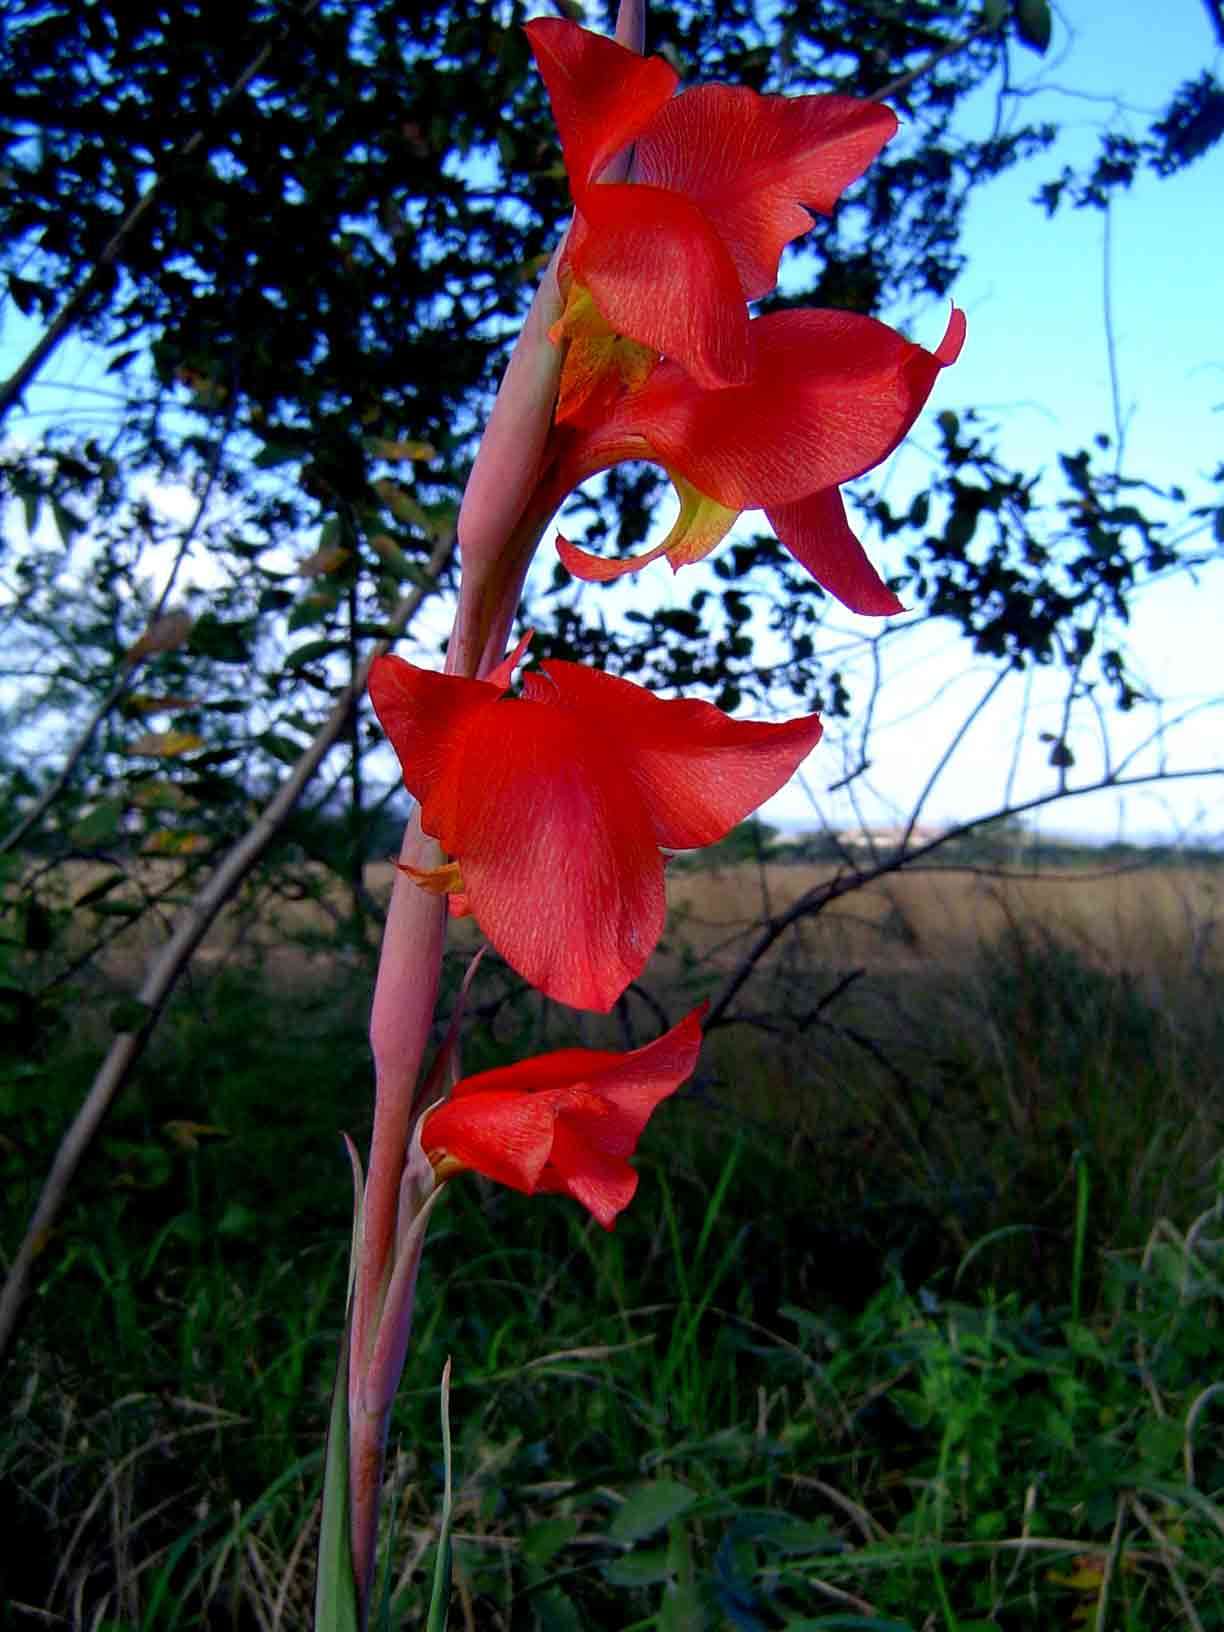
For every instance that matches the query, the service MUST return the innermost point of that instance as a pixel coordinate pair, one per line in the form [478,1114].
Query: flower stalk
[547,815]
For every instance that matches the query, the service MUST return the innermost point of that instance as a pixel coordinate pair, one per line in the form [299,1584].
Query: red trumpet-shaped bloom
[723,180]
[555,807]
[564,1122]
[829,395]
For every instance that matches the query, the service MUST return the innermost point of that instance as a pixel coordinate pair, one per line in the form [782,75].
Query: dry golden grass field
[1154,924]
[1039,991]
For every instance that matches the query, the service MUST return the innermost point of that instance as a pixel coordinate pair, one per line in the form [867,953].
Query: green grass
[933,1355]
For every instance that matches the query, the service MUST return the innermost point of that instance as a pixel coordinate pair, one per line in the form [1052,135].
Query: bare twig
[945,51]
[192,925]
[1170,1557]
[942,763]
[1111,1564]
[1111,345]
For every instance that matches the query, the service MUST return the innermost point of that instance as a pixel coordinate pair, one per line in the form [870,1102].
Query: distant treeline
[1006,843]
[330,835]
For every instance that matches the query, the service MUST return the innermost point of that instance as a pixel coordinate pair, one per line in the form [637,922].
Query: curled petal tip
[601,569]
[949,348]
[816,532]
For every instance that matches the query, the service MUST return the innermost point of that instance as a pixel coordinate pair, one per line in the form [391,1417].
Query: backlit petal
[602,95]
[817,534]
[501,674]
[426,716]
[561,868]
[830,395]
[661,274]
[701,524]
[752,162]
[698,771]
[601,569]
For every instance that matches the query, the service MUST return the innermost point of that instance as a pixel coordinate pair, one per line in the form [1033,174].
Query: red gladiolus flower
[564,1122]
[723,180]
[555,807]
[829,395]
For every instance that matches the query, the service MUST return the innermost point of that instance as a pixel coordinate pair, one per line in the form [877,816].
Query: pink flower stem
[502,481]
[405,995]
[631,25]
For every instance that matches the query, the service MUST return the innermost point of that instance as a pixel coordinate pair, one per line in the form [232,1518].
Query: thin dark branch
[903,81]
[820,896]
[941,764]
[850,978]
[1111,345]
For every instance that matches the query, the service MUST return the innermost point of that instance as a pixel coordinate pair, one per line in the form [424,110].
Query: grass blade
[439,1602]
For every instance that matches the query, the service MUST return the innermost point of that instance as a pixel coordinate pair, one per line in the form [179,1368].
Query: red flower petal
[601,569]
[560,1069]
[950,347]
[566,1121]
[427,716]
[701,524]
[602,95]
[698,771]
[661,274]
[632,1085]
[501,674]
[830,395]
[507,1136]
[563,873]
[560,870]
[817,534]
[556,806]
[752,162]
[605,1185]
